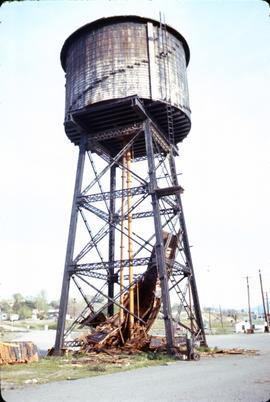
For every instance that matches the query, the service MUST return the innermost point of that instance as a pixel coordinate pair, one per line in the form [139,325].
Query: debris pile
[114,332]
[18,352]
[234,351]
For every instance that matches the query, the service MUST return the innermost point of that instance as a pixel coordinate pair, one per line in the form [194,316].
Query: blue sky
[224,159]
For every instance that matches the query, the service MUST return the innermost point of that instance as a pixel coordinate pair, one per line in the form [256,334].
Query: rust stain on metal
[123,58]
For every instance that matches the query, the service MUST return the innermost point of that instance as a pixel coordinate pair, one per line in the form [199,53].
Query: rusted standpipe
[122,246]
[130,245]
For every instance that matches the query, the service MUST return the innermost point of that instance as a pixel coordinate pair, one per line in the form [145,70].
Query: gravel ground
[226,378]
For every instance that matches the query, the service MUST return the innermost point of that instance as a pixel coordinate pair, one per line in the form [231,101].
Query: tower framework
[128,254]
[156,205]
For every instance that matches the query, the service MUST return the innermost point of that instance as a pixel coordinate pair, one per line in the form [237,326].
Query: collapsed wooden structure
[113,331]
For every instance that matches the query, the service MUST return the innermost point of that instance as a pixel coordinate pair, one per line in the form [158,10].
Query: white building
[244,326]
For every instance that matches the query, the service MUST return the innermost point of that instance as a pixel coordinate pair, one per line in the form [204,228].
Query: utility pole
[209,320]
[249,311]
[266,328]
[267,305]
[74,307]
[221,317]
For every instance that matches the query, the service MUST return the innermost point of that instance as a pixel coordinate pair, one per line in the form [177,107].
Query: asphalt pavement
[226,378]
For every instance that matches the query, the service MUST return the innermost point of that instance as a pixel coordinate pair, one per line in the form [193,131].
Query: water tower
[127,108]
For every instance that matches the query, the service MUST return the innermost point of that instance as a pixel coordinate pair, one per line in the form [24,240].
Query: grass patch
[50,369]
[206,349]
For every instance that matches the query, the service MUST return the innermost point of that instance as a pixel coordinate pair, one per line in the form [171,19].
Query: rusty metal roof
[114,20]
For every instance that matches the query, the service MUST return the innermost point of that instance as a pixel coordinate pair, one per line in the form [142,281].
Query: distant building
[52,314]
[244,326]
[3,316]
[14,317]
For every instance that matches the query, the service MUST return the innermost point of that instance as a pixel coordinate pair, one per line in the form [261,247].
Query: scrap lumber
[18,352]
[236,351]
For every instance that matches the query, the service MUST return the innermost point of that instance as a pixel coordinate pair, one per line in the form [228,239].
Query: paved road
[221,379]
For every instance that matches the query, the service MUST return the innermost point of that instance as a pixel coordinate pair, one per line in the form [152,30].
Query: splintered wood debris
[233,351]
[114,332]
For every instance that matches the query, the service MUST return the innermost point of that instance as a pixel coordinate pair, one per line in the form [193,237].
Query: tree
[24,311]
[30,304]
[54,304]
[41,302]
[21,306]
[5,306]
[17,303]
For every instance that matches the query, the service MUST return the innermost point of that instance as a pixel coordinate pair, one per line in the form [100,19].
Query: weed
[204,349]
[154,356]
[98,369]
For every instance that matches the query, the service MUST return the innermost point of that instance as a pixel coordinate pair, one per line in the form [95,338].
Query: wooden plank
[18,352]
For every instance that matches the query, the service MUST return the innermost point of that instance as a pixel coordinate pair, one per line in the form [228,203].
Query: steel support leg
[160,253]
[111,240]
[70,250]
[193,285]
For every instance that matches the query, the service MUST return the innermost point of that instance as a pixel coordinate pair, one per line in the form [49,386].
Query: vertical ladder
[164,53]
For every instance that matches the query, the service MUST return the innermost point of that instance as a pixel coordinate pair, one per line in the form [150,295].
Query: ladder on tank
[164,52]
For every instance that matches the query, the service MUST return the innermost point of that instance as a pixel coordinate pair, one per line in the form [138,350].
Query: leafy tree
[5,306]
[54,304]
[24,311]
[31,304]
[17,303]
[41,302]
